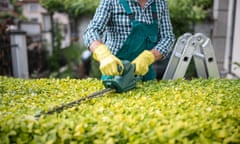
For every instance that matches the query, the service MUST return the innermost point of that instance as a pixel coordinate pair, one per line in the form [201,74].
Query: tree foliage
[53,5]
[79,7]
[16,12]
[73,8]
[184,13]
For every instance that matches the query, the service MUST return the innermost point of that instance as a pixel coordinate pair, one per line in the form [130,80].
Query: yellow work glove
[142,62]
[108,63]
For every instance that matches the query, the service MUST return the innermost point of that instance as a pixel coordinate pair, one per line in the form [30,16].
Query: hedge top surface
[181,111]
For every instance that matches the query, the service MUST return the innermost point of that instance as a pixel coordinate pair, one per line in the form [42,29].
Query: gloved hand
[142,62]
[108,63]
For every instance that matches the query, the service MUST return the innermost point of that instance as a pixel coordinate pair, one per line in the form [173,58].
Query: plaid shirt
[112,25]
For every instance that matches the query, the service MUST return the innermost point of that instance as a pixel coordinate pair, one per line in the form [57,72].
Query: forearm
[94,45]
[157,54]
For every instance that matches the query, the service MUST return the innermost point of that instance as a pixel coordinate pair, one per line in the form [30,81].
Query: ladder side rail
[200,66]
[199,59]
[175,57]
[209,57]
[185,58]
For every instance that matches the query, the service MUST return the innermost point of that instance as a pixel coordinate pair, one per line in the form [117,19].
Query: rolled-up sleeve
[166,35]
[98,24]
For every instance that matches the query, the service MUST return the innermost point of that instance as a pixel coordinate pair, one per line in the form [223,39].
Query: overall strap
[127,9]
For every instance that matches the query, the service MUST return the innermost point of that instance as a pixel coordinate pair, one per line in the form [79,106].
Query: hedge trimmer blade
[117,84]
[73,103]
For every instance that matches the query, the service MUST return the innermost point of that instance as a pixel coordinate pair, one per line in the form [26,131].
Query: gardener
[139,31]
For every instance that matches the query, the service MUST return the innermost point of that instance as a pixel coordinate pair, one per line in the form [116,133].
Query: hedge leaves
[181,111]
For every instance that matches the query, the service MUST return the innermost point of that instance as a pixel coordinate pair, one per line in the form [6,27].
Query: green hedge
[181,111]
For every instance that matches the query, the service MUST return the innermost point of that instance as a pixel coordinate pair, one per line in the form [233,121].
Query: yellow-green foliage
[197,111]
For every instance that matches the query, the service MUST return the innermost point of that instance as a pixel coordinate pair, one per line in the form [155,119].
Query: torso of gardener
[111,25]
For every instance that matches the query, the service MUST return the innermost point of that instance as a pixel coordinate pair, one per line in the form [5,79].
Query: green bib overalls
[142,37]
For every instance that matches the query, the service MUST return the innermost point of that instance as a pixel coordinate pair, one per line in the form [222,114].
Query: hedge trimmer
[117,84]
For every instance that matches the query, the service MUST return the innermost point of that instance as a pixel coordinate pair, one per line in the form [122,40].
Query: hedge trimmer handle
[124,82]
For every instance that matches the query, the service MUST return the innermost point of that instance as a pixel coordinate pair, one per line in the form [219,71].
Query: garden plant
[174,111]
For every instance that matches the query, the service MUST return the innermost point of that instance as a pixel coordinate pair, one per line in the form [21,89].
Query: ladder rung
[178,55]
[199,55]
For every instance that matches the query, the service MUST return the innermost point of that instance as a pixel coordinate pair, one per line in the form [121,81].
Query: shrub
[197,111]
[186,13]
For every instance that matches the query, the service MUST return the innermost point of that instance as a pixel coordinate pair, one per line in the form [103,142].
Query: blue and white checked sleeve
[98,24]
[166,35]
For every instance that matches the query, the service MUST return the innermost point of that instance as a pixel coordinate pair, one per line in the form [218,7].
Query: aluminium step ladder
[198,47]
